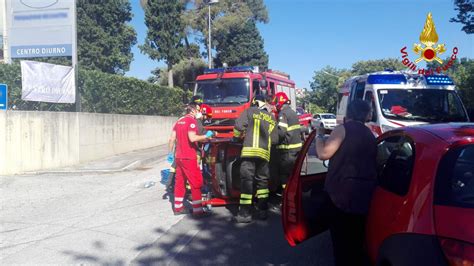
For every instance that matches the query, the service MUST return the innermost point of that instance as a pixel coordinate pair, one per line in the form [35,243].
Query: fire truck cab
[229,91]
[403,99]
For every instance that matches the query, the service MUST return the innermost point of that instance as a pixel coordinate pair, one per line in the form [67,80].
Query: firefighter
[289,137]
[257,127]
[186,137]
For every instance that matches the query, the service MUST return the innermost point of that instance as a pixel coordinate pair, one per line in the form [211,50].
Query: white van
[403,99]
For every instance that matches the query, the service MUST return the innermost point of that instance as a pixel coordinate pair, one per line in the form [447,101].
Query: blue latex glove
[170,157]
[209,134]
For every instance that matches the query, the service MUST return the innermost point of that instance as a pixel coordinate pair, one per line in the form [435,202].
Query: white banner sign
[42,82]
[39,28]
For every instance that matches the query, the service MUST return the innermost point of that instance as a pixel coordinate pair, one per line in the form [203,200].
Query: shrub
[103,93]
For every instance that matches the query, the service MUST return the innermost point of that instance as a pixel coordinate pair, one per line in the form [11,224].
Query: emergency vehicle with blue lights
[403,99]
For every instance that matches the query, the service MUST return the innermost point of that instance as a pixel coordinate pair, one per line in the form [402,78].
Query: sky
[303,36]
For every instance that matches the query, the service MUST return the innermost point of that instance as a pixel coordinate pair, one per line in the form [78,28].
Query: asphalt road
[114,219]
[216,240]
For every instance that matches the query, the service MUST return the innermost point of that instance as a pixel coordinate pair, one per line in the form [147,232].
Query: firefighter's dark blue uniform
[259,127]
[290,142]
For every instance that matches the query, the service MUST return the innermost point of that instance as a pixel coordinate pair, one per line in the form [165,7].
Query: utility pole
[209,53]
[74,58]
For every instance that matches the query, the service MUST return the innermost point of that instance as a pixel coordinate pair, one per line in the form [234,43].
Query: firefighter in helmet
[257,126]
[289,136]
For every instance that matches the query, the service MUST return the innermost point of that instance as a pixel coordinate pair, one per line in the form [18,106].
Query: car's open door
[303,199]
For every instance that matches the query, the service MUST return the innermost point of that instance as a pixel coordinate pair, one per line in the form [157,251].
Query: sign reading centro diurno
[40,28]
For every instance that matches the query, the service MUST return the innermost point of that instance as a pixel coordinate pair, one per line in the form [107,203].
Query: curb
[132,166]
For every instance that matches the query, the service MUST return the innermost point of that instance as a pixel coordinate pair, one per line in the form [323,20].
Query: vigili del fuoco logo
[429,50]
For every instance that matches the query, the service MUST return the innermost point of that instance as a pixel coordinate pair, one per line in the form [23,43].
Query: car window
[312,165]
[299,111]
[395,159]
[329,116]
[455,178]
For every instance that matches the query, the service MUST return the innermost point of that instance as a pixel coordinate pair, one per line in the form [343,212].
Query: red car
[422,211]
[305,119]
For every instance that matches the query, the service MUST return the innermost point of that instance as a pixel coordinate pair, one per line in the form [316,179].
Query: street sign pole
[74,57]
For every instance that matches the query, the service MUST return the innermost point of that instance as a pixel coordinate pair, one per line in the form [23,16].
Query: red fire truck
[229,91]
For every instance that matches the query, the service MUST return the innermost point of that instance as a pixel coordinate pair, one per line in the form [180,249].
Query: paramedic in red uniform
[185,131]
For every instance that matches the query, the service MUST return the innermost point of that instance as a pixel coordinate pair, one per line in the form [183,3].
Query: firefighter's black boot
[244,215]
[262,209]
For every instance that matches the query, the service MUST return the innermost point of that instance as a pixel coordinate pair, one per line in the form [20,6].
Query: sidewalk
[117,163]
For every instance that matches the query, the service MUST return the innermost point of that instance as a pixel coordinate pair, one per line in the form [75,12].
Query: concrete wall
[44,140]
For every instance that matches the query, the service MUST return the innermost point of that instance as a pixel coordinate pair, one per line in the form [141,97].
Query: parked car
[422,210]
[328,121]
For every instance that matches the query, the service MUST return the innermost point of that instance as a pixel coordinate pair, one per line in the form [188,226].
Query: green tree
[465,15]
[104,37]
[325,86]
[226,15]
[184,73]
[242,45]
[166,32]
[369,66]
[462,73]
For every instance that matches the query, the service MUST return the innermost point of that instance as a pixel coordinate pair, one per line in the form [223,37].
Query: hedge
[103,93]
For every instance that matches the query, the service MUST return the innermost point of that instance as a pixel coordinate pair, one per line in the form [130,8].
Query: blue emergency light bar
[229,69]
[386,79]
[439,80]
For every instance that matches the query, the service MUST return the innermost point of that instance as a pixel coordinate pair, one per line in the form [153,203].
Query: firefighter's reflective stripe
[256,133]
[256,152]
[237,133]
[290,146]
[281,124]
[245,198]
[263,193]
[295,127]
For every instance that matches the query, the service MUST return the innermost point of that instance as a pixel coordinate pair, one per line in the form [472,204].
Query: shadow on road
[217,240]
